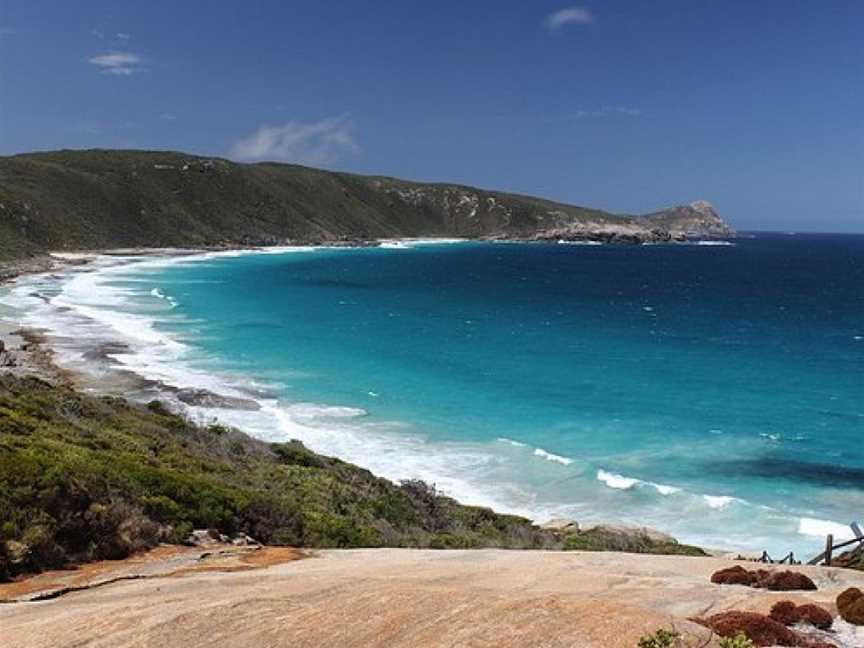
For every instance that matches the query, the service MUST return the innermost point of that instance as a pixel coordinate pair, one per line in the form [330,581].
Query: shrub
[738,641]
[661,639]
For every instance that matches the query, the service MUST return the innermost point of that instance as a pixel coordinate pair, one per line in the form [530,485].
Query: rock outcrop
[561,526]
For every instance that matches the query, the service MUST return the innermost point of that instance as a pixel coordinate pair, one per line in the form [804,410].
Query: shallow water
[716,392]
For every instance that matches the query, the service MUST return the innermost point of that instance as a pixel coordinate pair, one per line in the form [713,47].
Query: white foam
[714,243]
[409,243]
[311,410]
[620,482]
[613,480]
[565,242]
[719,501]
[516,444]
[540,452]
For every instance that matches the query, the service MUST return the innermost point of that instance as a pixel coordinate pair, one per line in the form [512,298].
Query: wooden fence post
[829,547]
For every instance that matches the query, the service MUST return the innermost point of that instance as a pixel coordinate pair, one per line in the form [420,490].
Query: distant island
[95,199]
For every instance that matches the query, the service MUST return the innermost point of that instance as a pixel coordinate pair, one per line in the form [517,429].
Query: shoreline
[34,356]
[39,353]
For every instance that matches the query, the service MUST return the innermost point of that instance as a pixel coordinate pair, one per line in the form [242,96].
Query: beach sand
[396,598]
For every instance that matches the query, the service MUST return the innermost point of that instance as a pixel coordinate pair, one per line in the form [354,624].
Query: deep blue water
[716,392]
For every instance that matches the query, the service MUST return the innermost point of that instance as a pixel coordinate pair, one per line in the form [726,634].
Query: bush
[601,540]
[661,639]
[738,641]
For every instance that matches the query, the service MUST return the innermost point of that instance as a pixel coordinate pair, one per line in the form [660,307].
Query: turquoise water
[716,392]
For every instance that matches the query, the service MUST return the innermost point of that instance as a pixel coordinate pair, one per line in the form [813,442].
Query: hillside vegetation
[74,200]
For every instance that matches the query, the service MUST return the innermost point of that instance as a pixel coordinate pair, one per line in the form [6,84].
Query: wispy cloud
[122,36]
[117,63]
[167,116]
[568,16]
[607,111]
[316,143]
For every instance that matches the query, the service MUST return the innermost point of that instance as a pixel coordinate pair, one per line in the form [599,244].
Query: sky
[624,105]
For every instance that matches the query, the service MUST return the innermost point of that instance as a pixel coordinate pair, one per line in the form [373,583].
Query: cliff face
[69,200]
[696,219]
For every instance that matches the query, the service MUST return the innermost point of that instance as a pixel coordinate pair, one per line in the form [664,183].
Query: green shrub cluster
[602,540]
[664,638]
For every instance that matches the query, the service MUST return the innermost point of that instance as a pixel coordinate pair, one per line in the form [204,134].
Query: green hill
[75,200]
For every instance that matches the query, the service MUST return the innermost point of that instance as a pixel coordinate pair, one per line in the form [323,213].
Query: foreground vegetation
[86,478]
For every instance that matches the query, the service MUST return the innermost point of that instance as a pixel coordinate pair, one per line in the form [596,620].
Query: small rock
[206,538]
[561,525]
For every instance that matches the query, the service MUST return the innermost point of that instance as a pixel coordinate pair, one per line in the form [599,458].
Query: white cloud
[167,116]
[569,15]
[117,63]
[122,36]
[315,143]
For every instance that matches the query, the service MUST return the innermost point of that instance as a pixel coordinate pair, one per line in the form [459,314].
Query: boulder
[758,628]
[206,398]
[787,613]
[206,538]
[561,525]
[850,604]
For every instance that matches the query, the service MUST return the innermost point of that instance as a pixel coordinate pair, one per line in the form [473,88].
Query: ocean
[713,391]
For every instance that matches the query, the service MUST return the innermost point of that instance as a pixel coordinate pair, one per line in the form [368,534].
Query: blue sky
[624,105]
